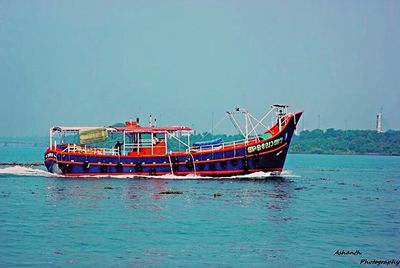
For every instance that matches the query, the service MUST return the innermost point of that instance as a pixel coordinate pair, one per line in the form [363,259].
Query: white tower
[379,122]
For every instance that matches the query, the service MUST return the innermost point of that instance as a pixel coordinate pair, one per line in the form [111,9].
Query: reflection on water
[135,193]
[279,196]
[278,189]
[274,194]
[130,193]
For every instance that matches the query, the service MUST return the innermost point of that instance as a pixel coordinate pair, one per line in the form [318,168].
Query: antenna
[212,123]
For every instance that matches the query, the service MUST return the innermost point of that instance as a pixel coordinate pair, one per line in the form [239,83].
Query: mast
[246,125]
[51,137]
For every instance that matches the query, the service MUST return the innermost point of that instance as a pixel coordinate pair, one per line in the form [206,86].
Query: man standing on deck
[118,147]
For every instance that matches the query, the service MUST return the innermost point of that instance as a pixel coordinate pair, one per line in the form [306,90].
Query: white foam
[25,171]
[255,175]
[265,175]
[175,177]
[161,177]
[288,174]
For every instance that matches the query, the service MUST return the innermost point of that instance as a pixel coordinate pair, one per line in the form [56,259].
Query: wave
[27,171]
[252,176]
[266,175]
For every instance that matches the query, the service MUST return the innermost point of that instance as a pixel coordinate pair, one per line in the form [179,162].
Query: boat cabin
[131,139]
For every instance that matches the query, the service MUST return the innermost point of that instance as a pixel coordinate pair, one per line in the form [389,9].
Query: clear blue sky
[99,62]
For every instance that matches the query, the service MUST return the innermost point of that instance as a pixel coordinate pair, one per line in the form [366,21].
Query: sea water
[323,204]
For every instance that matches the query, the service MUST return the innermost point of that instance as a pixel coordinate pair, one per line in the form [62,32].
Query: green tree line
[336,141]
[332,141]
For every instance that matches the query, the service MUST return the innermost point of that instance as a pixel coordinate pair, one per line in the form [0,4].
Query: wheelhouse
[129,140]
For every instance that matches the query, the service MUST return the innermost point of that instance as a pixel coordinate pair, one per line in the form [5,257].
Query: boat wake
[28,171]
[25,171]
[266,175]
[252,176]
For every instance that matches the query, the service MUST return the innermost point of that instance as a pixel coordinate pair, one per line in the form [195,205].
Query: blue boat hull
[267,156]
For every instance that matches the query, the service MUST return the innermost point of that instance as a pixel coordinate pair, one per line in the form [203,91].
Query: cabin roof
[126,129]
[153,129]
[280,105]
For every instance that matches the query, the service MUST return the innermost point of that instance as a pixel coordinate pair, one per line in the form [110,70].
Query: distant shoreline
[347,142]
[342,153]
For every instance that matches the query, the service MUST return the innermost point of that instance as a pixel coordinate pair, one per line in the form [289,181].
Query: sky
[187,62]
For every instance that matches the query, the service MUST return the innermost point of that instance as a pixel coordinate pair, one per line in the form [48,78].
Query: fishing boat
[132,149]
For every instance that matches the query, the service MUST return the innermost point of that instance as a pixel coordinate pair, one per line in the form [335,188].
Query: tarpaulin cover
[265,136]
[92,135]
[208,144]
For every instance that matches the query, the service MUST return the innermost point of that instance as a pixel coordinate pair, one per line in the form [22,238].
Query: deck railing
[73,148]
[222,145]
[285,120]
[149,143]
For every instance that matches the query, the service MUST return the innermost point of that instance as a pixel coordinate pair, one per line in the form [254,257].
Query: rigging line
[253,129]
[263,118]
[235,123]
[259,122]
[236,127]
[179,141]
[216,126]
[220,121]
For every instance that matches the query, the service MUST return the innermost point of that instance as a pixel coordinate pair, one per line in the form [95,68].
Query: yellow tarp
[92,135]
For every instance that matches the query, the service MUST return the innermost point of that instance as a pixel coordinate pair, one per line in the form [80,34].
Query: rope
[294,117]
[170,164]
[194,164]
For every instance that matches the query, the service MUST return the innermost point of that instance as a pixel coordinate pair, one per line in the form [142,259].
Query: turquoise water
[325,204]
